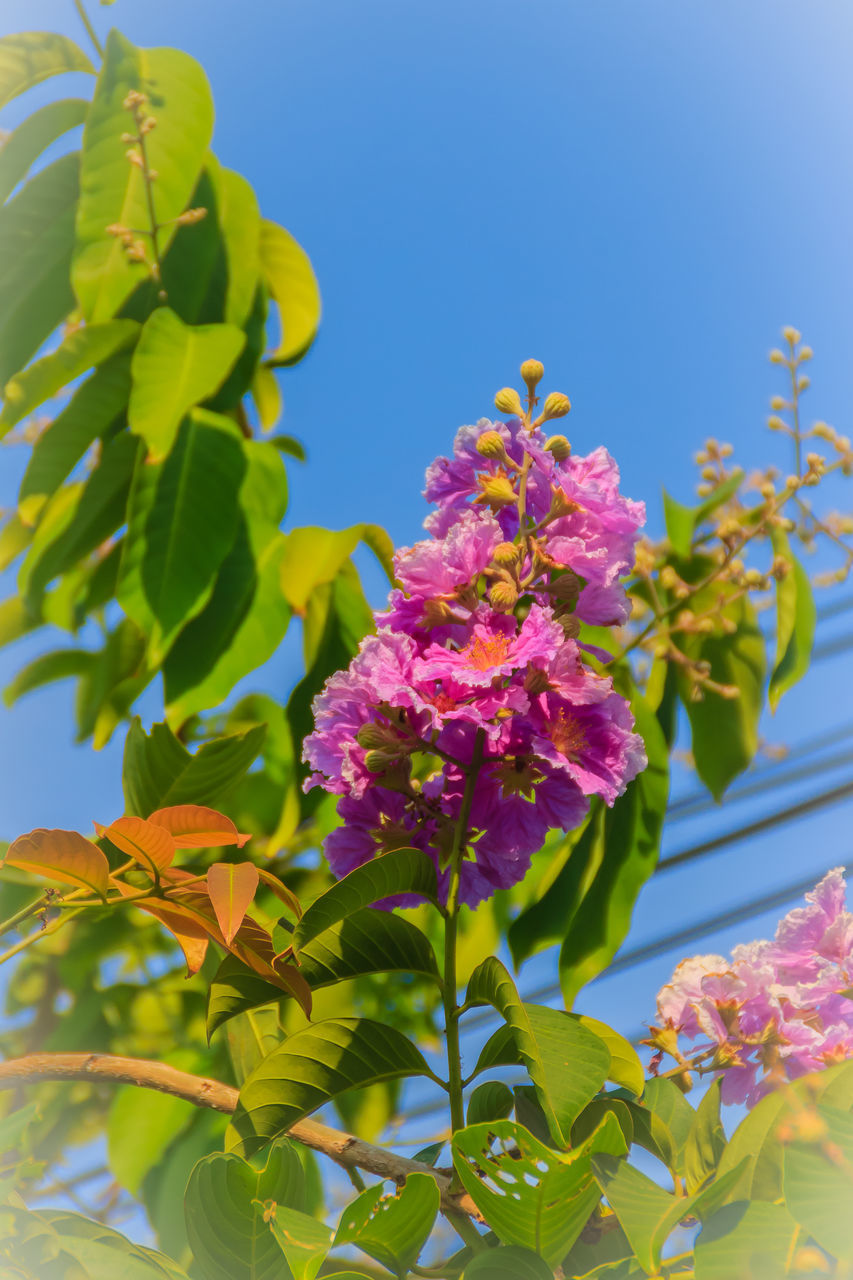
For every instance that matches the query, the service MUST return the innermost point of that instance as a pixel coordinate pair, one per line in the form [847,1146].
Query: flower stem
[90,30]
[38,935]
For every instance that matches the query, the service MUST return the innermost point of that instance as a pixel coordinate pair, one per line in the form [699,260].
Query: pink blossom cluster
[476,669]
[777,1009]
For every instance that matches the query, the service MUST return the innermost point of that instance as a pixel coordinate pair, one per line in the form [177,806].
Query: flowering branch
[345,1149]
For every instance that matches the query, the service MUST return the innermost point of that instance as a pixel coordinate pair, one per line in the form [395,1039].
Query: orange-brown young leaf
[190,932]
[231,886]
[61,855]
[149,845]
[281,891]
[196,827]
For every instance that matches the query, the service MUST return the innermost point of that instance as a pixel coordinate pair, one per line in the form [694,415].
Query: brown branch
[348,1151]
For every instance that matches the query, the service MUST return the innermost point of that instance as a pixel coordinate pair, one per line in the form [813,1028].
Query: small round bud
[532,371]
[792,335]
[559,447]
[378,761]
[505,555]
[490,445]
[805,353]
[776,356]
[503,597]
[566,588]
[775,423]
[778,402]
[556,406]
[536,680]
[508,401]
[803,383]
[376,737]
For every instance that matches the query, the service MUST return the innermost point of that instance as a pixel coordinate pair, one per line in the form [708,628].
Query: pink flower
[438,566]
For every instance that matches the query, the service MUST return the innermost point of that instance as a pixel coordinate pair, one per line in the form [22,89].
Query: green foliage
[392,1228]
[796,617]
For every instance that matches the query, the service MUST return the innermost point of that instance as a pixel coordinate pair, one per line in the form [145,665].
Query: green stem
[90,30]
[24,914]
[36,937]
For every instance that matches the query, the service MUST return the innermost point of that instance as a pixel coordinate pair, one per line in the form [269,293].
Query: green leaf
[682,522]
[623,849]
[33,136]
[113,191]
[401,871]
[239,221]
[234,990]
[796,618]
[293,286]
[15,620]
[47,667]
[706,1140]
[110,683]
[567,878]
[85,347]
[507,1262]
[176,366]
[158,771]
[492,1100]
[303,1240]
[100,1252]
[315,556]
[28,57]
[92,410]
[311,1068]
[746,1240]
[392,1228]
[15,1124]
[163,1189]
[566,1062]
[181,522]
[140,1126]
[818,1183]
[266,394]
[36,241]
[725,730]
[625,1069]
[530,1195]
[646,1213]
[224,1213]
[668,1104]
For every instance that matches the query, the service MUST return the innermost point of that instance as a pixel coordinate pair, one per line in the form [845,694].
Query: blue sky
[639,194]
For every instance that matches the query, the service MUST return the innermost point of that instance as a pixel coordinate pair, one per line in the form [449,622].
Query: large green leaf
[141,1125]
[28,57]
[529,1194]
[401,871]
[158,770]
[311,1068]
[110,684]
[90,345]
[668,1104]
[92,410]
[36,241]
[59,664]
[293,285]
[302,1239]
[112,191]
[725,730]
[181,523]
[622,854]
[646,1213]
[33,135]
[225,1217]
[706,1140]
[562,885]
[682,522]
[818,1183]
[81,1247]
[508,1262]
[625,1068]
[239,221]
[796,618]
[392,1228]
[746,1242]
[566,1062]
[176,366]
[315,556]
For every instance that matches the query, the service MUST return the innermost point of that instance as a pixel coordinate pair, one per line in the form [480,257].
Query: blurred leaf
[101,1252]
[14,1125]
[47,667]
[266,394]
[316,556]
[159,771]
[110,684]
[140,1127]
[225,1224]
[303,1240]
[112,191]
[566,1062]
[400,871]
[92,410]
[706,1140]
[36,241]
[311,1068]
[15,536]
[796,618]
[665,1100]
[293,285]
[28,57]
[682,522]
[181,521]
[529,1194]
[250,1037]
[566,879]
[818,1183]
[33,136]
[163,1188]
[290,445]
[176,366]
[239,221]
[232,887]
[15,620]
[507,1262]
[492,1100]
[392,1228]
[748,1240]
[725,730]
[620,848]
[84,347]
[60,855]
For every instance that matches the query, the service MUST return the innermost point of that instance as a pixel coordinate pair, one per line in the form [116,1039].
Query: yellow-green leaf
[28,57]
[293,286]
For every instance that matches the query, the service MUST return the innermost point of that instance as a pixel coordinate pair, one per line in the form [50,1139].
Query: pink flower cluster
[777,1009]
[477,661]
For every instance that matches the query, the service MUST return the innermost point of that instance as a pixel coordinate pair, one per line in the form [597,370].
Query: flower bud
[792,335]
[509,401]
[503,597]
[438,613]
[561,505]
[378,761]
[556,406]
[559,447]
[566,588]
[776,357]
[491,445]
[536,680]
[496,492]
[805,353]
[532,371]
[505,555]
[378,737]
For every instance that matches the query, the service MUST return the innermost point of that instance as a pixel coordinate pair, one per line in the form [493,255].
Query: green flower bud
[556,406]
[560,447]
